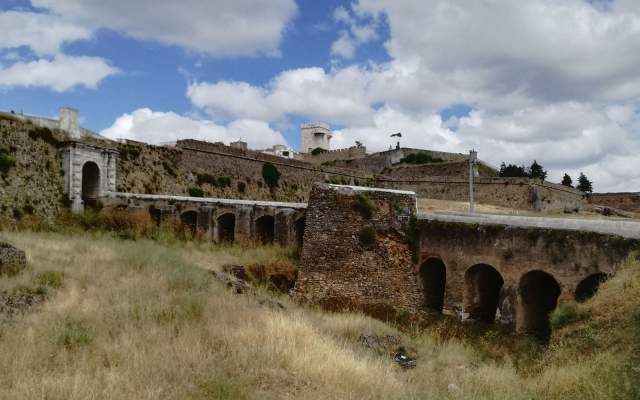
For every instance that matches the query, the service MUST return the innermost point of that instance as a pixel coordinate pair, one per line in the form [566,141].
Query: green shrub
[74,334]
[367,237]
[365,206]
[129,152]
[271,175]
[420,158]
[242,187]
[196,192]
[7,161]
[44,134]
[52,279]
[317,150]
[564,314]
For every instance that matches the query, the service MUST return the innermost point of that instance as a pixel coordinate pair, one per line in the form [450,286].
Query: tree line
[537,171]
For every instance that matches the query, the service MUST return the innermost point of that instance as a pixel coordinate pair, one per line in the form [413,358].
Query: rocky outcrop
[12,260]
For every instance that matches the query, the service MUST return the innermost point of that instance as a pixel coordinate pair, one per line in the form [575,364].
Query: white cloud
[219,28]
[60,73]
[43,33]
[332,97]
[359,29]
[162,127]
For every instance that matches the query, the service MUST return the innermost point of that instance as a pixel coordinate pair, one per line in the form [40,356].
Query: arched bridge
[222,220]
[505,270]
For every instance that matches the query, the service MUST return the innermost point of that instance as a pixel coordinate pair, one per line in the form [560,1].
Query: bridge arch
[265,229]
[589,286]
[433,274]
[189,220]
[538,293]
[90,182]
[482,286]
[226,224]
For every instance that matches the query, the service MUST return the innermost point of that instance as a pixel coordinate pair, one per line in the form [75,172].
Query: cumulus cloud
[44,34]
[332,97]
[157,127]
[60,73]
[358,30]
[219,28]
[546,80]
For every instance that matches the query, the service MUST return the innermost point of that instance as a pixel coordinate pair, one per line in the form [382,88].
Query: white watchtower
[314,136]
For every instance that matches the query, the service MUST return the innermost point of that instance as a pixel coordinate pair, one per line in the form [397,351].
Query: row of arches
[537,294]
[264,227]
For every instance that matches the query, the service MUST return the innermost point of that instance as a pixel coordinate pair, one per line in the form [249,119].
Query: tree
[271,175]
[512,171]
[537,171]
[567,181]
[584,184]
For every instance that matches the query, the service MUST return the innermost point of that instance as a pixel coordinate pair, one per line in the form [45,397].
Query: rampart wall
[622,201]
[329,156]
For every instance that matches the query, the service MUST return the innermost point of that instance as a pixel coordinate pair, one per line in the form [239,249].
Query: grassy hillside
[141,320]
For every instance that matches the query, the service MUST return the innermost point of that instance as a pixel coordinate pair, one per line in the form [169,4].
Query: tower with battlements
[314,136]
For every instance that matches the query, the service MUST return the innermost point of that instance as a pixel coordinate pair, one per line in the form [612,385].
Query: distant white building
[313,136]
[280,150]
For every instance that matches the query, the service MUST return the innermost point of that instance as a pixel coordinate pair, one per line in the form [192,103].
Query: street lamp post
[473,157]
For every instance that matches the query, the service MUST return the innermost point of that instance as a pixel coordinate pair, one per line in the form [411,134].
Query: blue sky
[546,80]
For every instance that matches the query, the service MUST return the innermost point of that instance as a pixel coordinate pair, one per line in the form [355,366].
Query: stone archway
[90,183]
[433,274]
[265,229]
[226,227]
[538,294]
[589,286]
[482,292]
[189,220]
[299,231]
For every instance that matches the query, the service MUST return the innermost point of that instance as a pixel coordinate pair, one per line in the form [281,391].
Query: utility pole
[473,157]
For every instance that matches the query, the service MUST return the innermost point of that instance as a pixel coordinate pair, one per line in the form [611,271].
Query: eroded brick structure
[354,254]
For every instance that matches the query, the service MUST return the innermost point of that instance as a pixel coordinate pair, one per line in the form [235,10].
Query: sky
[557,81]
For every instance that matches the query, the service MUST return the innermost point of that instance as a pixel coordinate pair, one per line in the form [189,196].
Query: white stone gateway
[89,172]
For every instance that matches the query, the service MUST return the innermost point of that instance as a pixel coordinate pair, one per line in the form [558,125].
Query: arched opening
[434,278]
[299,228]
[156,214]
[226,227]
[538,293]
[589,286]
[90,183]
[189,220]
[265,229]
[482,292]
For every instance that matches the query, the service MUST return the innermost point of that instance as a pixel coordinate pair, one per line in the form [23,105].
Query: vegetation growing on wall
[219,182]
[7,161]
[420,158]
[367,237]
[44,134]
[365,206]
[271,175]
[317,150]
[196,192]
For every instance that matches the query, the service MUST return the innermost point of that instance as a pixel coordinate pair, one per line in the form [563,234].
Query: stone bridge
[222,220]
[494,269]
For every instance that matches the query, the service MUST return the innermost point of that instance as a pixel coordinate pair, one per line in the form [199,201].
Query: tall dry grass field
[141,320]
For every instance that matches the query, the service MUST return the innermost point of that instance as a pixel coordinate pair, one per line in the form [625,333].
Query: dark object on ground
[12,260]
[240,286]
[17,303]
[404,361]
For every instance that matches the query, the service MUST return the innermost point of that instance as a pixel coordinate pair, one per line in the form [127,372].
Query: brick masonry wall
[338,272]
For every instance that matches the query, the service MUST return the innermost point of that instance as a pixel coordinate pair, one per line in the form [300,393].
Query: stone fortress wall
[621,201]
[227,172]
[332,156]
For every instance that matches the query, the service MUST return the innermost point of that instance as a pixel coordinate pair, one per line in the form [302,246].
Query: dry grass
[141,320]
